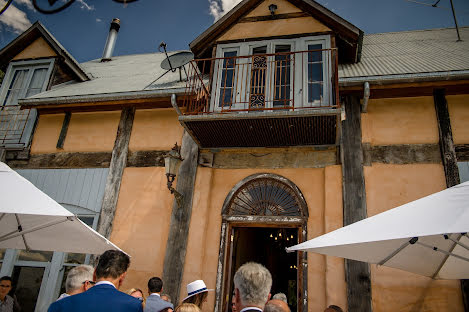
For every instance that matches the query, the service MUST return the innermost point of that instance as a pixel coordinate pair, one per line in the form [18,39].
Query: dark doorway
[266,245]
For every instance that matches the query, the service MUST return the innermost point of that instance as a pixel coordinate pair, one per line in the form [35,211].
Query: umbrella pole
[446,258]
[37,228]
[20,229]
[443,251]
[398,250]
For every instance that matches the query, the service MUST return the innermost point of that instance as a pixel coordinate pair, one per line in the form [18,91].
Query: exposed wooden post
[450,162]
[64,130]
[357,274]
[3,154]
[173,268]
[116,169]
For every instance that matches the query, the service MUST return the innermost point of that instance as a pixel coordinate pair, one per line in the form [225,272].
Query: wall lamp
[272,9]
[172,161]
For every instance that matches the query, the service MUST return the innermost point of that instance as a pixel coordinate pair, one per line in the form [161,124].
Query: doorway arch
[261,201]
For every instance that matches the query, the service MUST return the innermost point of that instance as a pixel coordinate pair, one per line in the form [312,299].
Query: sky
[82,28]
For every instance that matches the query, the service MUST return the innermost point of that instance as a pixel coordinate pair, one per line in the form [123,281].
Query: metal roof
[128,76]
[410,53]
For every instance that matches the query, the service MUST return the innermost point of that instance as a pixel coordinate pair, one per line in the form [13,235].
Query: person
[280,296]
[197,293]
[276,305]
[79,280]
[333,308]
[252,283]
[166,297]
[187,307]
[154,301]
[233,303]
[137,293]
[6,302]
[104,296]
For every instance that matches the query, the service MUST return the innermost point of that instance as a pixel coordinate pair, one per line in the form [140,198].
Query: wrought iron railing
[13,124]
[263,82]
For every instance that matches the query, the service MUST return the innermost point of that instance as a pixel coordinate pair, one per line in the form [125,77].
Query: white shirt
[105,283]
[251,308]
[155,294]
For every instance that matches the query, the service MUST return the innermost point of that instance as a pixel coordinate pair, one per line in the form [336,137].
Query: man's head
[276,305]
[5,286]
[333,308]
[79,279]
[252,284]
[155,285]
[280,296]
[112,266]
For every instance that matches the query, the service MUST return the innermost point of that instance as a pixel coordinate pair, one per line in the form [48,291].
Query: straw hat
[196,287]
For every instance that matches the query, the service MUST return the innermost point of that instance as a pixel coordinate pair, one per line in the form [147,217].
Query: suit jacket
[155,304]
[100,298]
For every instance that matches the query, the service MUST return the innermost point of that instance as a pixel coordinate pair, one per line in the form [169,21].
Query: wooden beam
[357,273]
[450,162]
[146,158]
[116,169]
[65,160]
[63,132]
[462,152]
[173,268]
[273,17]
[401,154]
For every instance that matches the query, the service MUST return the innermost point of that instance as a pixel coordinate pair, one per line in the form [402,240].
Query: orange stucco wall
[283,7]
[388,186]
[141,223]
[155,129]
[87,132]
[211,188]
[400,121]
[38,48]
[458,107]
[47,133]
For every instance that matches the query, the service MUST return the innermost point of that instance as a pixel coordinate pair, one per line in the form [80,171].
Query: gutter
[405,78]
[366,96]
[133,95]
[175,104]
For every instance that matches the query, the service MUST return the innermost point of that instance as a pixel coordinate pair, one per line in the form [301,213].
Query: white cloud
[15,18]
[218,8]
[98,20]
[85,6]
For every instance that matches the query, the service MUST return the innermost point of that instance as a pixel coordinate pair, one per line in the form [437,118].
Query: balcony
[263,100]
[15,126]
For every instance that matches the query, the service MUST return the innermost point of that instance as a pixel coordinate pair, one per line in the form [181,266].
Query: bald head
[276,305]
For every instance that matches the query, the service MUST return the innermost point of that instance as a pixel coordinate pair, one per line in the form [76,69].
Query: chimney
[111,40]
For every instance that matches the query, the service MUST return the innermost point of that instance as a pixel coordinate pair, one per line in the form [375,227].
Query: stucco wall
[87,132]
[283,7]
[211,188]
[141,223]
[388,186]
[400,121]
[38,48]
[458,107]
[155,129]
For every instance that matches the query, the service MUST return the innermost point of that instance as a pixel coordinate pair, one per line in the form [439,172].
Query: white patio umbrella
[427,236]
[31,220]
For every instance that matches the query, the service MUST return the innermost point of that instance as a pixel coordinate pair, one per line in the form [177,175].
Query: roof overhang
[37,30]
[349,37]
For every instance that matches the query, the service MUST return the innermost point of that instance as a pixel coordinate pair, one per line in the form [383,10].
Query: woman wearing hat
[196,293]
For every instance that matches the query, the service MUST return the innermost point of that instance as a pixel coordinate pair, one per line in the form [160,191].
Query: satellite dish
[177,60]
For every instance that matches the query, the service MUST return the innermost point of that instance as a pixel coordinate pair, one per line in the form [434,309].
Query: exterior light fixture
[172,161]
[272,9]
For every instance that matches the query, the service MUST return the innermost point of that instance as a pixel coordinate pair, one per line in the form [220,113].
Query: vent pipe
[111,40]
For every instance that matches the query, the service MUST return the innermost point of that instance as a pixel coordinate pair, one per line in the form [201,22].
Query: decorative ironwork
[265,197]
[257,100]
[259,62]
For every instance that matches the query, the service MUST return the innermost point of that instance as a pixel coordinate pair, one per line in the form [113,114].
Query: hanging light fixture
[172,161]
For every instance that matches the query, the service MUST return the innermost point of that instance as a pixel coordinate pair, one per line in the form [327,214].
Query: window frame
[299,90]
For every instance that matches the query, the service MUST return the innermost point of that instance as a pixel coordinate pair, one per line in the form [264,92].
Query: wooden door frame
[225,253]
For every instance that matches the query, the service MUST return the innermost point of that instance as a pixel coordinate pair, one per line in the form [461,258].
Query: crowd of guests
[88,289]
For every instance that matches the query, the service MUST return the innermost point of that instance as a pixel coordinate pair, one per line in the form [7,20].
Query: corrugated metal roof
[410,52]
[123,74]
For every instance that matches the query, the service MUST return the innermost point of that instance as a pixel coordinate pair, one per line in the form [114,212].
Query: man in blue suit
[104,296]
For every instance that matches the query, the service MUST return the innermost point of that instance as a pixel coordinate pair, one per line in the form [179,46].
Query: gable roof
[348,36]
[34,32]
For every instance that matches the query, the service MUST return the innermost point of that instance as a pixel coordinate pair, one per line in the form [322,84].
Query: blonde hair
[197,299]
[187,307]
[132,290]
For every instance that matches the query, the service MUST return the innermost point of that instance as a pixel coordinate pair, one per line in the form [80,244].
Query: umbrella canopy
[426,236]
[31,220]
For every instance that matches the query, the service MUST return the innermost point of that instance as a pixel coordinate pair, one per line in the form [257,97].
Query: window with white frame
[22,79]
[273,74]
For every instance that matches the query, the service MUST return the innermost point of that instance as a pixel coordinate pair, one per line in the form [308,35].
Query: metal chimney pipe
[111,40]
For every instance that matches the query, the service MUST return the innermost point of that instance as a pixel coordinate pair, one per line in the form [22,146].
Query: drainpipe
[175,104]
[111,40]
[366,96]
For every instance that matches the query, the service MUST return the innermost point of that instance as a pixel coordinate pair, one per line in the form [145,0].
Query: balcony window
[22,79]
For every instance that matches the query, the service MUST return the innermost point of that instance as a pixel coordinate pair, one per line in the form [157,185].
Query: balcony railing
[287,81]
[14,123]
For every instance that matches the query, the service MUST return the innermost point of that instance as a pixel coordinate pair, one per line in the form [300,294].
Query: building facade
[291,122]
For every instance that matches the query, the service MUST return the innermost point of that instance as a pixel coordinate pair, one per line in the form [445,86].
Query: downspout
[175,104]
[366,96]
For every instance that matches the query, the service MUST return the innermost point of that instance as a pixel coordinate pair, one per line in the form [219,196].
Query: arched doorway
[263,214]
